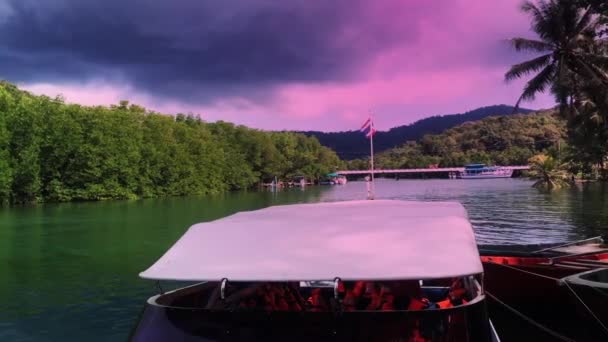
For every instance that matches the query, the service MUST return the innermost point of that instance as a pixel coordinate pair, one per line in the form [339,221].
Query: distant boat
[482,171]
[334,179]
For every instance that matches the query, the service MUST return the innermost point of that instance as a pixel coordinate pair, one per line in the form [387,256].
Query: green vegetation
[549,172]
[52,151]
[505,140]
[573,65]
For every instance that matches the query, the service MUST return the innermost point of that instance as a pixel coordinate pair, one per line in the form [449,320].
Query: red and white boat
[550,293]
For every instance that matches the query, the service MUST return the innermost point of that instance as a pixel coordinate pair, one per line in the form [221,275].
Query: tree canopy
[573,65]
[53,151]
[568,42]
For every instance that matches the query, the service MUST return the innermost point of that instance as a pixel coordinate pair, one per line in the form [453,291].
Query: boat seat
[435,293]
[575,264]
[589,263]
[593,263]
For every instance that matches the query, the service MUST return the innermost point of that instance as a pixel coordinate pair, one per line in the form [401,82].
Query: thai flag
[368,128]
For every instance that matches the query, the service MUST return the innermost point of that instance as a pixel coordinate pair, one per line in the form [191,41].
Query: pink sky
[413,59]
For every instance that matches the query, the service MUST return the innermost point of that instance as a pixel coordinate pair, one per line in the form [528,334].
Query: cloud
[188,48]
[275,64]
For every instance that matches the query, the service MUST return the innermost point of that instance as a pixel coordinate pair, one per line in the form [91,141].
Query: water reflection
[69,271]
[504,211]
[588,209]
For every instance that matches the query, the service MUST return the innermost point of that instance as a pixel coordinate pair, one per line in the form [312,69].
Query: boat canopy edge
[355,240]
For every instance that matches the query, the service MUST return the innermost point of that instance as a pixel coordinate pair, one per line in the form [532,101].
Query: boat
[553,292]
[482,171]
[334,179]
[381,270]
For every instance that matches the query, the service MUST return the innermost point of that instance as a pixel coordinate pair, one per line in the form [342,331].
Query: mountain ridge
[353,144]
[495,140]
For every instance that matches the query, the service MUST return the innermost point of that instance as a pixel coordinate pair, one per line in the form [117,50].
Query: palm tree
[571,47]
[548,171]
[598,6]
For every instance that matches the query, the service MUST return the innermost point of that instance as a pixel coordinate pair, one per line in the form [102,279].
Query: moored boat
[555,292]
[334,179]
[344,271]
[482,171]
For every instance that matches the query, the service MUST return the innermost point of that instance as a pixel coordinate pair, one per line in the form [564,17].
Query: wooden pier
[426,170]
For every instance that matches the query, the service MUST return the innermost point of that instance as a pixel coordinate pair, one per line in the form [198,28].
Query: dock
[422,170]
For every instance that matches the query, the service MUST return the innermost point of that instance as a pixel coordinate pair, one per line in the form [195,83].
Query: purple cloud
[269,64]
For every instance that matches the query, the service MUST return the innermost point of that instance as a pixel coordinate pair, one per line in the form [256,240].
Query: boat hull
[161,323]
[501,174]
[531,293]
[484,176]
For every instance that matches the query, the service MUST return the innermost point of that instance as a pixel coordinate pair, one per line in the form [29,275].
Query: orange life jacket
[359,288]
[282,305]
[444,304]
[350,301]
[387,306]
[417,304]
[458,293]
[448,303]
[375,303]
[316,300]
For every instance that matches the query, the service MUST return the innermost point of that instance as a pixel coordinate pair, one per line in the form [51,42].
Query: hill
[501,140]
[352,144]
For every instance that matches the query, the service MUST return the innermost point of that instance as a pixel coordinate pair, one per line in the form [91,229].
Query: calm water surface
[68,272]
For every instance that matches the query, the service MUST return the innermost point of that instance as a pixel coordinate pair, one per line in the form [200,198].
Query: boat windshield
[328,296]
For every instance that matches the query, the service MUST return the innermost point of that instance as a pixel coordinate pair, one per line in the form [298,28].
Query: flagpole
[371,148]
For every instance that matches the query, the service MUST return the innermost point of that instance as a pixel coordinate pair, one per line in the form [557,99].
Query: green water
[68,272]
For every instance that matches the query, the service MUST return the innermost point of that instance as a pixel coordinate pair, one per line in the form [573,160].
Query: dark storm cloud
[189,49]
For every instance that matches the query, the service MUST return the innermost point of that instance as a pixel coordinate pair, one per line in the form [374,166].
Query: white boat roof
[357,240]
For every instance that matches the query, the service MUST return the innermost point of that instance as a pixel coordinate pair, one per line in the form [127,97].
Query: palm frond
[594,74]
[596,59]
[595,25]
[540,23]
[585,22]
[602,43]
[552,27]
[531,8]
[524,44]
[521,69]
[538,84]
[600,72]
